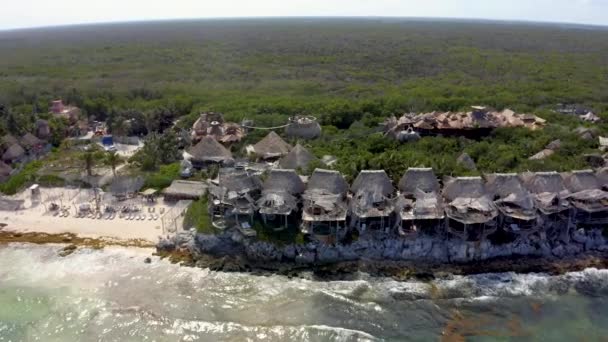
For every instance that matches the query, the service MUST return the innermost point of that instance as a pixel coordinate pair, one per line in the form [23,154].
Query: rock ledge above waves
[390,257]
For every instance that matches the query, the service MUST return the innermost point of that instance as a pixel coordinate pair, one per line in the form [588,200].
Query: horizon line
[162,20]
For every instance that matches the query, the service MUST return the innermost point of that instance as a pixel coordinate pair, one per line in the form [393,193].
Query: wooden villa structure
[551,200]
[209,152]
[280,202]
[372,201]
[324,206]
[518,214]
[272,147]
[589,201]
[419,207]
[471,213]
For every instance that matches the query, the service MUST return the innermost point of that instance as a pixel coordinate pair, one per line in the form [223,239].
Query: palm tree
[88,162]
[112,159]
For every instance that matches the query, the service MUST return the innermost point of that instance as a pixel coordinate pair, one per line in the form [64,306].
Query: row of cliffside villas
[326,207]
[469,208]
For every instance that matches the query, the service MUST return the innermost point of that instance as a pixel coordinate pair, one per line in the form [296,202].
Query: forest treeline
[351,74]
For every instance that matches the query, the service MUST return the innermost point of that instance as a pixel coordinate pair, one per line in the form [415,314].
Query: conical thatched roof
[209,150]
[272,146]
[5,170]
[544,182]
[8,141]
[602,176]
[13,152]
[502,185]
[373,181]
[423,179]
[510,195]
[239,180]
[280,180]
[327,180]
[577,181]
[29,141]
[298,158]
[465,187]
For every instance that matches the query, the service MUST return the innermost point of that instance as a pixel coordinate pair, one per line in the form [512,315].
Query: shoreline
[400,270]
[8,236]
[397,270]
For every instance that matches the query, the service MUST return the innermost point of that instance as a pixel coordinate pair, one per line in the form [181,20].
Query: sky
[40,13]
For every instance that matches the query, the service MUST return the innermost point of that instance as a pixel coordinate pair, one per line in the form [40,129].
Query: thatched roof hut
[548,190]
[272,146]
[13,153]
[281,189]
[284,180]
[327,180]
[419,197]
[305,127]
[208,150]
[298,158]
[184,190]
[373,181]
[5,171]
[468,201]
[423,179]
[581,180]
[239,180]
[30,141]
[324,199]
[510,196]
[586,192]
[8,141]
[373,194]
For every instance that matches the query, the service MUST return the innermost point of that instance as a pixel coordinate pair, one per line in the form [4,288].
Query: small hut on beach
[419,206]
[470,210]
[184,190]
[325,208]
[271,147]
[373,201]
[207,152]
[279,202]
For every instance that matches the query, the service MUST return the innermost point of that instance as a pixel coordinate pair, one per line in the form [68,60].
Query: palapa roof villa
[209,151]
[325,208]
[419,205]
[298,158]
[479,121]
[514,201]
[280,197]
[587,197]
[372,201]
[271,147]
[469,207]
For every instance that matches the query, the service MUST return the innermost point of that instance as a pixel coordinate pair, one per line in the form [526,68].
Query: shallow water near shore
[112,295]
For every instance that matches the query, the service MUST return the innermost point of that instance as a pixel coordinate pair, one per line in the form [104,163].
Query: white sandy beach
[34,217]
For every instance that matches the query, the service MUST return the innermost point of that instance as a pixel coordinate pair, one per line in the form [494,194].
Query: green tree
[88,162]
[112,159]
